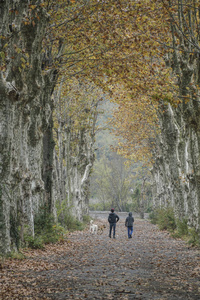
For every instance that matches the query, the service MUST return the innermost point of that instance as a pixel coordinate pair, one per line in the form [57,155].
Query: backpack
[112,218]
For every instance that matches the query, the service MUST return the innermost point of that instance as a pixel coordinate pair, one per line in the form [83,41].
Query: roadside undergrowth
[165,218]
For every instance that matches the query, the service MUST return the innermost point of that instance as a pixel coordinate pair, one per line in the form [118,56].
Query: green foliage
[66,219]
[34,242]
[72,223]
[182,227]
[43,222]
[15,255]
[194,239]
[86,219]
[113,181]
[164,217]
[55,234]
[149,209]
[166,220]
[46,231]
[153,216]
[100,206]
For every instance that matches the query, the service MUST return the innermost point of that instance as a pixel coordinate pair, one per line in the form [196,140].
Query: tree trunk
[48,165]
[176,171]
[74,155]
[24,108]
[142,199]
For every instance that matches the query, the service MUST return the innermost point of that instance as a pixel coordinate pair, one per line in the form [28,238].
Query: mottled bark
[74,155]
[82,162]
[47,168]
[176,172]
[24,109]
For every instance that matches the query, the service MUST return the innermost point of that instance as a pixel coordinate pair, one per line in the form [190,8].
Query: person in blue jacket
[129,224]
[113,218]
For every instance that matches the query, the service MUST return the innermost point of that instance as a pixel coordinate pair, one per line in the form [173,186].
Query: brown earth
[151,265]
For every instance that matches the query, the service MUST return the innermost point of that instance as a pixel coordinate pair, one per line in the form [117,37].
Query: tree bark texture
[74,153]
[176,172]
[72,169]
[25,108]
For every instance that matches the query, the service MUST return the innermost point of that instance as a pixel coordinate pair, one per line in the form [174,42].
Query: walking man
[112,219]
[129,224]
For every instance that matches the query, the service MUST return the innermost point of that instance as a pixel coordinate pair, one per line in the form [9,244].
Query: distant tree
[113,181]
[74,133]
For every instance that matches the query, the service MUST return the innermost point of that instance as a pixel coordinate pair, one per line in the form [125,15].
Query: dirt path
[151,265]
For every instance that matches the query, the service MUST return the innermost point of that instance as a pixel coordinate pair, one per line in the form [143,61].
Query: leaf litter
[151,265]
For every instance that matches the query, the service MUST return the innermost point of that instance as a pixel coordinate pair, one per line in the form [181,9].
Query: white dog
[93,227]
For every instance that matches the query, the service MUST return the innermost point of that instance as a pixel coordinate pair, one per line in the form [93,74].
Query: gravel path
[151,265]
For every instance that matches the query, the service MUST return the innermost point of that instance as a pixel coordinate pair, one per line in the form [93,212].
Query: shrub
[166,220]
[66,219]
[60,231]
[46,231]
[34,242]
[154,216]
[76,225]
[86,219]
[15,255]
[71,223]
[55,234]
[193,237]
[182,227]
[149,209]
[164,217]
[43,222]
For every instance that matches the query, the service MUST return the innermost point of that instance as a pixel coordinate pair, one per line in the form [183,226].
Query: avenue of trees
[58,60]
[116,181]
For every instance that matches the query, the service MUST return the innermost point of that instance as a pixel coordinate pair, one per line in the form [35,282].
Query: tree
[75,122]
[30,57]
[176,144]
[136,126]
[113,181]
[25,96]
[176,171]
[106,42]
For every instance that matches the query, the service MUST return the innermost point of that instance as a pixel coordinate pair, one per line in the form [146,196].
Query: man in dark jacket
[112,219]
[129,224]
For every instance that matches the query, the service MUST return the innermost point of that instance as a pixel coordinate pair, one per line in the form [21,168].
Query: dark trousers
[112,226]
